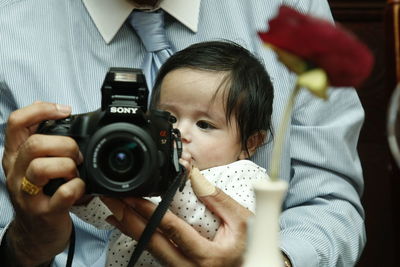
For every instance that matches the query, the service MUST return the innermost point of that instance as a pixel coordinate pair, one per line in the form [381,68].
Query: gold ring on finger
[29,188]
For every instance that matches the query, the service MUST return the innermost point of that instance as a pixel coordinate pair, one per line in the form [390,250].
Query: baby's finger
[187,165]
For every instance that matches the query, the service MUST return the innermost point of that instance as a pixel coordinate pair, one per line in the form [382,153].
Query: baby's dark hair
[248,85]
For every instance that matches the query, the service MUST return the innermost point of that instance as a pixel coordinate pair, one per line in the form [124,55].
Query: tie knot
[150,28]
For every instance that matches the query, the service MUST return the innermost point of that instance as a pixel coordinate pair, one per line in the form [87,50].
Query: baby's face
[189,96]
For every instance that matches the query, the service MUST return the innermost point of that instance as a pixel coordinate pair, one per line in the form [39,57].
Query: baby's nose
[184,128]
[185,136]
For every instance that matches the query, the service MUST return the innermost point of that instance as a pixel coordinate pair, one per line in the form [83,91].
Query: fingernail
[64,108]
[200,185]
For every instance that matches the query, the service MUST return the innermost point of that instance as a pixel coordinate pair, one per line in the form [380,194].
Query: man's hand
[42,226]
[177,243]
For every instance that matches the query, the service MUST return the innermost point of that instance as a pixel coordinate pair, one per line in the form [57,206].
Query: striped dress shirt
[51,50]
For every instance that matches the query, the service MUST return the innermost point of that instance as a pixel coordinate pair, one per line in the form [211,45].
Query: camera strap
[71,248]
[166,199]
[158,214]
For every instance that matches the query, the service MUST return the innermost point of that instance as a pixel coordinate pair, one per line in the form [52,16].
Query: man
[59,51]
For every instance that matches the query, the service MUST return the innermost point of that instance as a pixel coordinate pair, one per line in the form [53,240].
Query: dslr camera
[127,151]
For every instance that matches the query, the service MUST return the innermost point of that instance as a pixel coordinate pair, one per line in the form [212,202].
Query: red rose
[346,60]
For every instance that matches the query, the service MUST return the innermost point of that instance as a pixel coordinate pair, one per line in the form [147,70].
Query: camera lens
[121,159]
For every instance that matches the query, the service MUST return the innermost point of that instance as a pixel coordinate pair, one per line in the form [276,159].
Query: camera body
[127,152]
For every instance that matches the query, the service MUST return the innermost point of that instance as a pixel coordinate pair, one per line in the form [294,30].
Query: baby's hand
[201,186]
[186,161]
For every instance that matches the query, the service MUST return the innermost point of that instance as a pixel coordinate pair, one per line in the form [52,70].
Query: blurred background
[376,23]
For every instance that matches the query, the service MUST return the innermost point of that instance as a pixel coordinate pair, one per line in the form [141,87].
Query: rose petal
[346,60]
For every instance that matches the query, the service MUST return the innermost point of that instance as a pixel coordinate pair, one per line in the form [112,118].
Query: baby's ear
[254,141]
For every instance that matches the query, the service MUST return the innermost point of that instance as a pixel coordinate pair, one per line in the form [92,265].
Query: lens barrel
[121,157]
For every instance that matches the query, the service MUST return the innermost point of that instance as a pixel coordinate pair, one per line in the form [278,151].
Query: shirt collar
[109,16]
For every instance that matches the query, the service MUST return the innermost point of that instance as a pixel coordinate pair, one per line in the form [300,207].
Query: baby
[220,97]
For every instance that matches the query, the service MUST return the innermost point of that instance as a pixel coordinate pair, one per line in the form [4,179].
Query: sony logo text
[123,110]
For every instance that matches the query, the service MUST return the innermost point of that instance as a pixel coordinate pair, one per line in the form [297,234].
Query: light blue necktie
[149,26]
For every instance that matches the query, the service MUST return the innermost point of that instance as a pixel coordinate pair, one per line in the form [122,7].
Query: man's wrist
[12,256]
[5,253]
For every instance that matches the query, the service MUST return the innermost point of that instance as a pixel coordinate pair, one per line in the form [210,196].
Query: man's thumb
[216,200]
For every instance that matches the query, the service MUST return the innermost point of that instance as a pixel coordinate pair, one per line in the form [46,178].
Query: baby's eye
[204,125]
